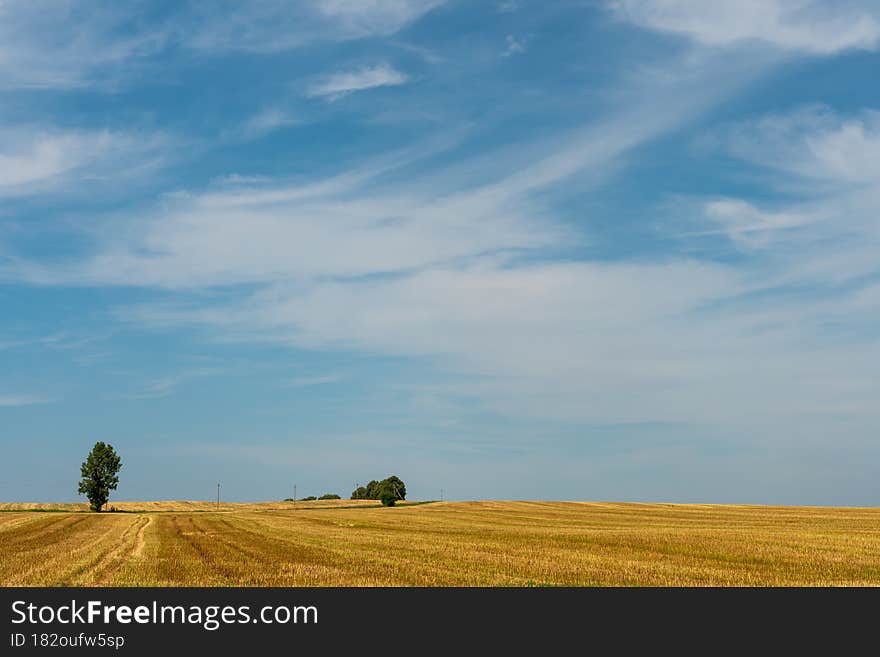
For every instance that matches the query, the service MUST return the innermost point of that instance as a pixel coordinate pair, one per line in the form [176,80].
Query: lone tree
[99,475]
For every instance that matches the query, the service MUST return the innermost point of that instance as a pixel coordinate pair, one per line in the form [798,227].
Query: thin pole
[218,495]
[294,497]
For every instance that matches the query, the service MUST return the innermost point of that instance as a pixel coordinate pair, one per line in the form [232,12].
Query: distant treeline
[388,490]
[312,498]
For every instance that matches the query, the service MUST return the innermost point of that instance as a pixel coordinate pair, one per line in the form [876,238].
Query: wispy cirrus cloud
[68,44]
[45,44]
[417,270]
[353,262]
[342,83]
[267,121]
[266,26]
[37,158]
[377,17]
[753,227]
[813,142]
[796,25]
[826,164]
[360,222]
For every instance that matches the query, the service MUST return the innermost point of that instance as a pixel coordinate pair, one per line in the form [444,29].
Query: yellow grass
[186,505]
[461,543]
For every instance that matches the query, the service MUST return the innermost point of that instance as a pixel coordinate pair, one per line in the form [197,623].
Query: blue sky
[516,249]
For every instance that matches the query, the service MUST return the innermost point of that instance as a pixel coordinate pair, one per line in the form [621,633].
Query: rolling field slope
[451,543]
[189,505]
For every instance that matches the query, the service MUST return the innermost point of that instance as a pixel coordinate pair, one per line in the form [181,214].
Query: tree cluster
[312,498]
[389,491]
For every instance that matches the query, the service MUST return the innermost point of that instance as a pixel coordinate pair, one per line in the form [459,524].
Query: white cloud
[267,121]
[288,232]
[513,46]
[38,159]
[753,227]
[358,223]
[345,82]
[589,341]
[274,25]
[821,28]
[44,156]
[67,44]
[827,165]
[375,17]
[409,267]
[815,143]
[47,44]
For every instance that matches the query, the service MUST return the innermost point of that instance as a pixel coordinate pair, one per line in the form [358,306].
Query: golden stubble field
[189,505]
[441,544]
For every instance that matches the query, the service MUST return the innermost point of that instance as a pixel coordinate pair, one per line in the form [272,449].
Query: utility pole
[294,497]
[441,494]
[218,495]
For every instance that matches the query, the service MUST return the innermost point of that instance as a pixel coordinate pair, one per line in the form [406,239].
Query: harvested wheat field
[443,544]
[188,505]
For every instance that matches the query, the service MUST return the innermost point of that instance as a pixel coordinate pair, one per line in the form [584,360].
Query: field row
[477,543]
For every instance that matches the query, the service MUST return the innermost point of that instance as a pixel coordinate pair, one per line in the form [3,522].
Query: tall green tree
[99,475]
